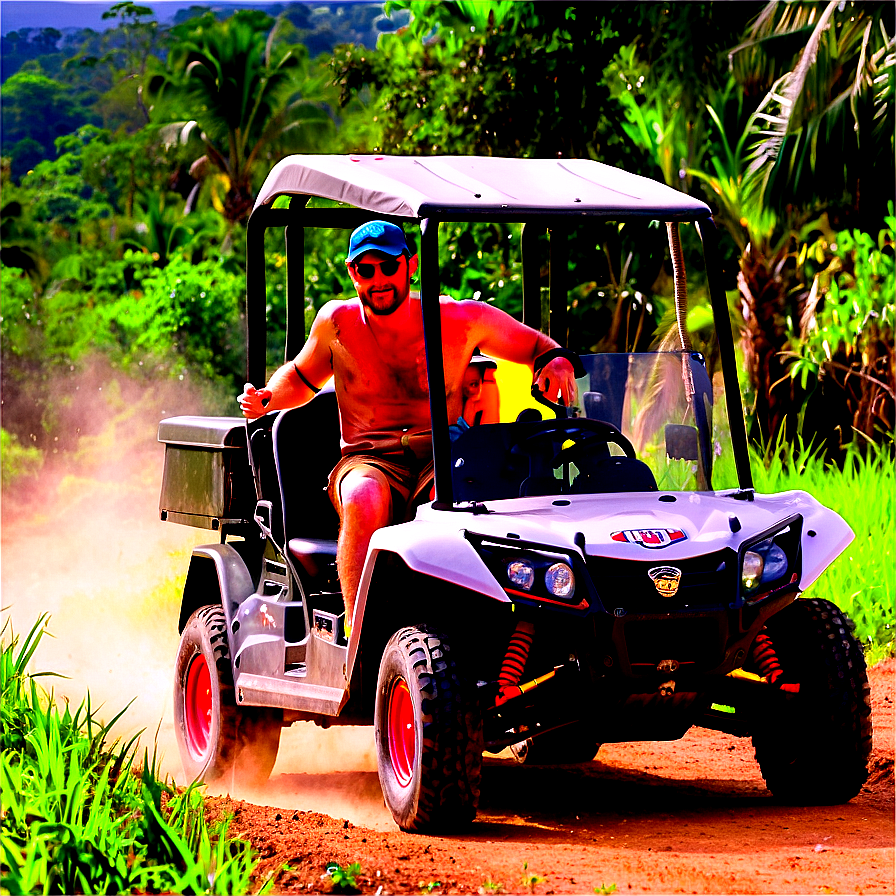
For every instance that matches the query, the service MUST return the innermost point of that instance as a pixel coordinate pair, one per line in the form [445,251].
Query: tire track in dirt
[686,816]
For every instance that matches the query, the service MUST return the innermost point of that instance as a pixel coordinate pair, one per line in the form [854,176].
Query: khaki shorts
[409,478]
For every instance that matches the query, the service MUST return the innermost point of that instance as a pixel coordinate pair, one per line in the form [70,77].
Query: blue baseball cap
[377,236]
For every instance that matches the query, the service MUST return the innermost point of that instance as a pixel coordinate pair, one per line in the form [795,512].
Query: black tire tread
[451,754]
[248,737]
[819,753]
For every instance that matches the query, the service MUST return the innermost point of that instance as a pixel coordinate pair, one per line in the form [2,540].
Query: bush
[79,817]
[181,316]
[19,461]
[847,327]
[20,321]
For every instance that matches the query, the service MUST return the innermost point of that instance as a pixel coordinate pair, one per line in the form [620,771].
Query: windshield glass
[646,421]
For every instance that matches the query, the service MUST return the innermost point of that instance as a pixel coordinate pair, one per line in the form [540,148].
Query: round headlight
[560,581]
[775,564]
[521,573]
[752,570]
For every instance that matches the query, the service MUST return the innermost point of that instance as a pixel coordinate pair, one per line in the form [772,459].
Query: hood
[668,525]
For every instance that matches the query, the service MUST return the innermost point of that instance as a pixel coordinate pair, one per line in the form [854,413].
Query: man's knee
[365,492]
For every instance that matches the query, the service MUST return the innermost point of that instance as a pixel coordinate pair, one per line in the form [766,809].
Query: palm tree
[821,76]
[240,89]
[826,121]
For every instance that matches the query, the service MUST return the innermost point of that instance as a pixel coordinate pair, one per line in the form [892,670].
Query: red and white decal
[650,538]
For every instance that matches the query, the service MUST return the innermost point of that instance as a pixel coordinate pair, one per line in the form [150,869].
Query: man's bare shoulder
[336,308]
[335,314]
[470,311]
[463,309]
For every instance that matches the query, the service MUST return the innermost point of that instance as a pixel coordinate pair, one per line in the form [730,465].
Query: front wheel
[218,740]
[816,752]
[428,734]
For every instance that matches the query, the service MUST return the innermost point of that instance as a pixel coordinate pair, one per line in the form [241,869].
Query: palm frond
[834,104]
[784,99]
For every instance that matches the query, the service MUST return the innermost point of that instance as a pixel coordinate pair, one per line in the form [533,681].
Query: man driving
[372,346]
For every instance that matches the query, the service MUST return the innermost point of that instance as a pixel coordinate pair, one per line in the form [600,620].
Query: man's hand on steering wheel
[557,378]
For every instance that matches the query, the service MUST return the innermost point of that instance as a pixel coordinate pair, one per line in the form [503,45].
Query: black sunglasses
[367,271]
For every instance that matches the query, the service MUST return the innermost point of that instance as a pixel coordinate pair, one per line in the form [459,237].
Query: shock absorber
[514,662]
[766,659]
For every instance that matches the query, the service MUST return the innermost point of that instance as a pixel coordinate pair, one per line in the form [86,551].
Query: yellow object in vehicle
[515,387]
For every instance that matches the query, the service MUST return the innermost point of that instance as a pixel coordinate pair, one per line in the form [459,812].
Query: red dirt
[692,816]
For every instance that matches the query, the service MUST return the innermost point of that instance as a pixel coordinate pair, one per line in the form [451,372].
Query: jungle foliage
[125,198]
[130,162]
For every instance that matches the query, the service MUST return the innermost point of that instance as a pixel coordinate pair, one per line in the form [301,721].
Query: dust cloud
[83,542]
[332,771]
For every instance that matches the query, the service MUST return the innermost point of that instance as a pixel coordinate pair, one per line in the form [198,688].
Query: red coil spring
[517,654]
[514,661]
[765,658]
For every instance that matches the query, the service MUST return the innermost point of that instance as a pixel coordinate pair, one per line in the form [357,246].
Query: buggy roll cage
[431,190]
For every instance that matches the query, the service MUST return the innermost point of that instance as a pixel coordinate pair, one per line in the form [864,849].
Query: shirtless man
[372,346]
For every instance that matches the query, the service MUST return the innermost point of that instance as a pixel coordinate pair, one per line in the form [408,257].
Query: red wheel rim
[198,706]
[402,732]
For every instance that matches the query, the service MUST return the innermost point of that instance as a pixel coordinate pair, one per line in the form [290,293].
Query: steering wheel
[595,431]
[573,453]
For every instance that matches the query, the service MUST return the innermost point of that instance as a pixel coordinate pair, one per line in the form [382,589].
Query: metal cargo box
[207,481]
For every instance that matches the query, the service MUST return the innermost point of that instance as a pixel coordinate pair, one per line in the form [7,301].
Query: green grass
[862,580]
[80,816]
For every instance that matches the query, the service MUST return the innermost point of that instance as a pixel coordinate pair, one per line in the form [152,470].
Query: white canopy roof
[421,186]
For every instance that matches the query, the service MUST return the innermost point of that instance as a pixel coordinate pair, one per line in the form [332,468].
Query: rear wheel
[218,740]
[428,734]
[816,752]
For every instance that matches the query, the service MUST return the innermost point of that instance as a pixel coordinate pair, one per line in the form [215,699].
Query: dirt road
[691,816]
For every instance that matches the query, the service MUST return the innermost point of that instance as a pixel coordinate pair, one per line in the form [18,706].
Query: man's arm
[504,337]
[297,381]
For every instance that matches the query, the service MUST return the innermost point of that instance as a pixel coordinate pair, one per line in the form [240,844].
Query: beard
[382,303]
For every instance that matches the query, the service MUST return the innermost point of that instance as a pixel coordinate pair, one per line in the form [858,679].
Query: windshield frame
[298,216]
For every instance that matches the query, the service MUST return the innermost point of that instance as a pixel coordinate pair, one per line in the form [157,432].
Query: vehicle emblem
[650,538]
[666,579]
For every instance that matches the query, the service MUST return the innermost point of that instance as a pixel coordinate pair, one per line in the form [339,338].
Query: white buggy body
[580,576]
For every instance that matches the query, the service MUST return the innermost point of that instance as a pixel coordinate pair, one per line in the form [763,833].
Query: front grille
[708,581]
[687,640]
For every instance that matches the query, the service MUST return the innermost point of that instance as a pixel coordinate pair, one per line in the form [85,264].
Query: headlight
[764,563]
[521,574]
[560,580]
[534,572]
[752,571]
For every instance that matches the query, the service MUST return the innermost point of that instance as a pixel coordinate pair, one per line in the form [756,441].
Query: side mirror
[595,404]
[681,442]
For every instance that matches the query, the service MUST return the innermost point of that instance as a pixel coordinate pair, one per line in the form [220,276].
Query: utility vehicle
[583,575]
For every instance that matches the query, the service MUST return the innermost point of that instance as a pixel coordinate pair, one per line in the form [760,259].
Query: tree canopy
[132,156]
